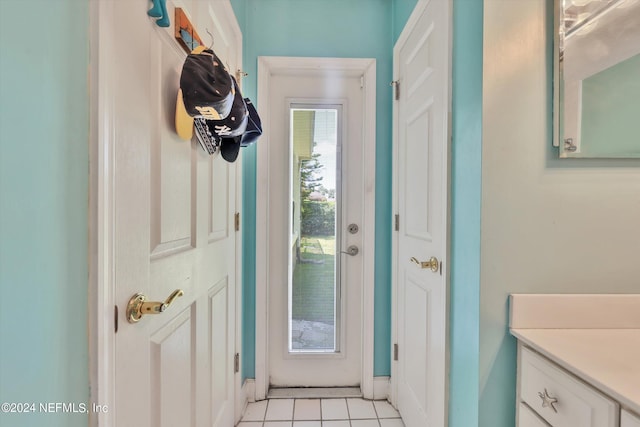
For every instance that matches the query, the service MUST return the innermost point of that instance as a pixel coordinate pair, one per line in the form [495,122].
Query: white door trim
[411,23]
[240,395]
[101,208]
[266,67]
[101,316]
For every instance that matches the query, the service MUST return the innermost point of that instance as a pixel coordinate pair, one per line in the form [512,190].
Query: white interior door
[421,60]
[172,224]
[315,293]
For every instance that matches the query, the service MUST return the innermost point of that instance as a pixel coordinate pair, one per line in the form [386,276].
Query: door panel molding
[267,66]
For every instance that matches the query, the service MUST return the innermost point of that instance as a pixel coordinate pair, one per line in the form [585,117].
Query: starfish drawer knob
[548,401]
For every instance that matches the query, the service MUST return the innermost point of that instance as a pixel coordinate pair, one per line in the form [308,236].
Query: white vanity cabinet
[559,398]
[627,419]
[578,359]
[528,418]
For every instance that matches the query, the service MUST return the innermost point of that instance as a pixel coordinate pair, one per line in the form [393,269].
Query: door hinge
[397,222]
[396,86]
[236,363]
[361,82]
[237,221]
[115,319]
[395,352]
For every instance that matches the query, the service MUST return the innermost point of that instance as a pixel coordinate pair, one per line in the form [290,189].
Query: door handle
[138,305]
[351,250]
[432,264]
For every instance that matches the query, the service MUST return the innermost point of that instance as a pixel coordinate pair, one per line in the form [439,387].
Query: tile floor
[351,412]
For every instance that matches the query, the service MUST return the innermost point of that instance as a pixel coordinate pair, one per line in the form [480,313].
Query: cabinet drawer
[528,418]
[578,404]
[627,419]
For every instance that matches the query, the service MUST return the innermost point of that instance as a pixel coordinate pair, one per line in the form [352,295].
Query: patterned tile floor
[351,412]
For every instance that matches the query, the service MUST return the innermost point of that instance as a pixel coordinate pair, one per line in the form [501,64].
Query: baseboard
[249,389]
[241,401]
[381,388]
[314,393]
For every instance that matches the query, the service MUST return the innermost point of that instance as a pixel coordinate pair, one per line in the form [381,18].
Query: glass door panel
[314,279]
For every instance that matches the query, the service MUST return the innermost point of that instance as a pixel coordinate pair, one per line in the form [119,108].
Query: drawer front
[528,418]
[578,404]
[627,419]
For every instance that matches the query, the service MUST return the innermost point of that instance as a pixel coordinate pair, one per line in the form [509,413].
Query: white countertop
[595,337]
[608,359]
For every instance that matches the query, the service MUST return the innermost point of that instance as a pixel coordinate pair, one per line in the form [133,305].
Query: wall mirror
[597,95]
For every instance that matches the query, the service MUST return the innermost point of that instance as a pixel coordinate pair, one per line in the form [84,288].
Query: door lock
[139,306]
[353,228]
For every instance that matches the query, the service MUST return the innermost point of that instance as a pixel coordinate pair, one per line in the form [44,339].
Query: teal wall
[401,11]
[328,28]
[466,197]
[362,29]
[44,184]
[610,111]
[44,173]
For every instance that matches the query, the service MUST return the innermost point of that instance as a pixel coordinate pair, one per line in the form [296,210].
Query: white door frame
[301,66]
[101,316]
[413,19]
[101,217]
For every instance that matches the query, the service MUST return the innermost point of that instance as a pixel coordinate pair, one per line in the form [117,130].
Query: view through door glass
[314,268]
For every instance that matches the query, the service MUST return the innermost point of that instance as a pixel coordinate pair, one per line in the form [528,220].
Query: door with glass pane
[315,296]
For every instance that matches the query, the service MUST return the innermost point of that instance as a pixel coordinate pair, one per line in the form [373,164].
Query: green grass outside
[313,282]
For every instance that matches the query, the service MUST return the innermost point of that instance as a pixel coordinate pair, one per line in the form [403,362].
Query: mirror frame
[567,148]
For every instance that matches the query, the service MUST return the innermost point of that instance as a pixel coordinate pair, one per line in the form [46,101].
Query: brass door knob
[433,264]
[139,306]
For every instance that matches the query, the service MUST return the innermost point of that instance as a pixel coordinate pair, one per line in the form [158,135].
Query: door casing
[304,66]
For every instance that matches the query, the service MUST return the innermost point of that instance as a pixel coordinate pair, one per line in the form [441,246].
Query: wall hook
[159,10]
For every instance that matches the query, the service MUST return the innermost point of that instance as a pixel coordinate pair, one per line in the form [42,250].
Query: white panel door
[173,224]
[421,63]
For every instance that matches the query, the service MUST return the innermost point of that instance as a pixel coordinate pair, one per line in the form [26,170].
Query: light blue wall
[401,11]
[44,172]
[334,28]
[466,197]
[267,30]
[44,180]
